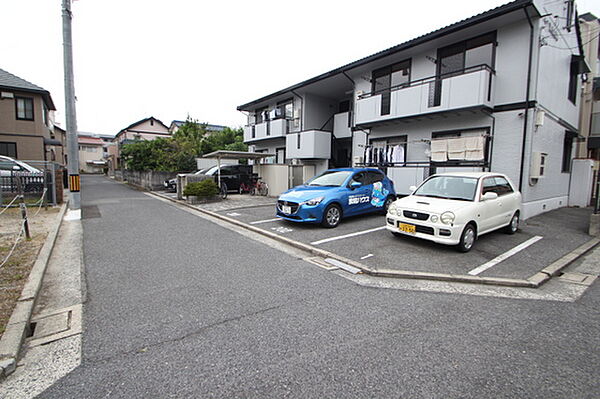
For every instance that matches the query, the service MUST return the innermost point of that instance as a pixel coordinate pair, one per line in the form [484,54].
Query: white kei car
[456,208]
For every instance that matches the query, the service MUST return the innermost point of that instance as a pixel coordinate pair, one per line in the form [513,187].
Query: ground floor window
[386,151]
[8,149]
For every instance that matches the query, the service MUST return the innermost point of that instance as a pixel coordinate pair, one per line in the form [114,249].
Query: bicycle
[222,189]
[255,187]
[261,188]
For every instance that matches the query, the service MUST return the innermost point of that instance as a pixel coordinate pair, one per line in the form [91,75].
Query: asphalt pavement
[178,306]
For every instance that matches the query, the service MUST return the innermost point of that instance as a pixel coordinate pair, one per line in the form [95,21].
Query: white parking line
[366,256]
[265,221]
[358,233]
[504,256]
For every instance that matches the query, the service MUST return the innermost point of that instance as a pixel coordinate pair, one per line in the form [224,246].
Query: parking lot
[539,242]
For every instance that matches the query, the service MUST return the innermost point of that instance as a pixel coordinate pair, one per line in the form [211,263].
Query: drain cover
[90,212]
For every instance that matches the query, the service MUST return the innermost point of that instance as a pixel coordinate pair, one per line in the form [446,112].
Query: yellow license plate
[408,228]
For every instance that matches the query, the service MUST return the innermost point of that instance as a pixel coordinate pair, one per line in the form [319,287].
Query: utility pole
[70,114]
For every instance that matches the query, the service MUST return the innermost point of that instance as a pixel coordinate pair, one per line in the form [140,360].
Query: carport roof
[223,154]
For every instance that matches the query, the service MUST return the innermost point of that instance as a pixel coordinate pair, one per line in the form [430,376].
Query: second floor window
[24,107]
[286,109]
[384,79]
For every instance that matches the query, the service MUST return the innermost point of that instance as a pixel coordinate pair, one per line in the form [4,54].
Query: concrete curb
[532,282]
[554,268]
[18,324]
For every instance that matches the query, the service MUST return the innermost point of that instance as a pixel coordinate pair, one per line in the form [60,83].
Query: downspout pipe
[353,93]
[526,116]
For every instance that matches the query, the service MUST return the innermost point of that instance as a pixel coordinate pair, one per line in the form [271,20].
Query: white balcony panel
[247,134]
[340,126]
[314,144]
[368,109]
[278,127]
[407,101]
[462,91]
[261,130]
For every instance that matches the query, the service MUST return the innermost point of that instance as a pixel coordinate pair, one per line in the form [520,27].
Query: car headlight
[434,218]
[447,217]
[314,201]
[392,210]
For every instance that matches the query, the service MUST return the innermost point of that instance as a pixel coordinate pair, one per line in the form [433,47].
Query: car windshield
[330,179]
[449,187]
[203,171]
[211,171]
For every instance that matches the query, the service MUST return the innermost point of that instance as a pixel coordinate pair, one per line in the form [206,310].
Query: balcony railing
[310,144]
[266,130]
[341,125]
[469,88]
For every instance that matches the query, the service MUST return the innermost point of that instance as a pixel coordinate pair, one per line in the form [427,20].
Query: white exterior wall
[557,45]
[317,110]
[512,60]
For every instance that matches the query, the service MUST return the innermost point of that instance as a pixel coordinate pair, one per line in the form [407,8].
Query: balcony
[310,144]
[470,89]
[265,130]
[341,125]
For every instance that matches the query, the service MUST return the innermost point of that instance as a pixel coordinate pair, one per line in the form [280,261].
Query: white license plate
[286,209]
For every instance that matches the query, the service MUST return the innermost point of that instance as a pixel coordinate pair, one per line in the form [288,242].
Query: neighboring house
[175,125]
[145,129]
[96,159]
[497,91]
[59,153]
[589,26]
[91,154]
[26,120]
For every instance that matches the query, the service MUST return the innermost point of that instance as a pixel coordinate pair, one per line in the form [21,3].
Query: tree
[227,139]
[179,152]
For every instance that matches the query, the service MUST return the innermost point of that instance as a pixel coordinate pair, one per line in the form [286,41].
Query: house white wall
[512,59]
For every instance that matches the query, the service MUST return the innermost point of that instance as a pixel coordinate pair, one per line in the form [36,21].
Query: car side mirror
[412,189]
[354,185]
[489,196]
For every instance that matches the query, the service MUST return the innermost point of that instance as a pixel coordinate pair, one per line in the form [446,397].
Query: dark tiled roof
[209,127]
[588,16]
[465,23]
[10,81]
[142,121]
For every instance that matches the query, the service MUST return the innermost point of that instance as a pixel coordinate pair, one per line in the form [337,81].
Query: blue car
[337,193]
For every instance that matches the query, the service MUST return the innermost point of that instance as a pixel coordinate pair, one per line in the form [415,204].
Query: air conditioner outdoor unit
[295,161]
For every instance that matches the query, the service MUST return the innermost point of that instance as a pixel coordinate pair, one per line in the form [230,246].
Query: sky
[170,59]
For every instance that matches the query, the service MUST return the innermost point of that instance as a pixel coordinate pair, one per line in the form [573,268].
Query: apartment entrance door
[341,153]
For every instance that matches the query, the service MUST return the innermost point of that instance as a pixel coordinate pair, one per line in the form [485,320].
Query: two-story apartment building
[497,91]
[26,120]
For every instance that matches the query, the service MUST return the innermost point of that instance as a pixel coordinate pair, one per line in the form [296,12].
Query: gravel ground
[14,273]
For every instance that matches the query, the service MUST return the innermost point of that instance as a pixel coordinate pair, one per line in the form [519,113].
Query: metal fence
[32,184]
[596,192]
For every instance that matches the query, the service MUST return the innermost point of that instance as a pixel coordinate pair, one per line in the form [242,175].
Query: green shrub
[203,189]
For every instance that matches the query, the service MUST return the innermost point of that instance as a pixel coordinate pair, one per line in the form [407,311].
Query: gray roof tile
[10,81]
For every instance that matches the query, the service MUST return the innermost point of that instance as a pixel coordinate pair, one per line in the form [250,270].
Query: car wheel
[332,216]
[467,239]
[387,203]
[513,226]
